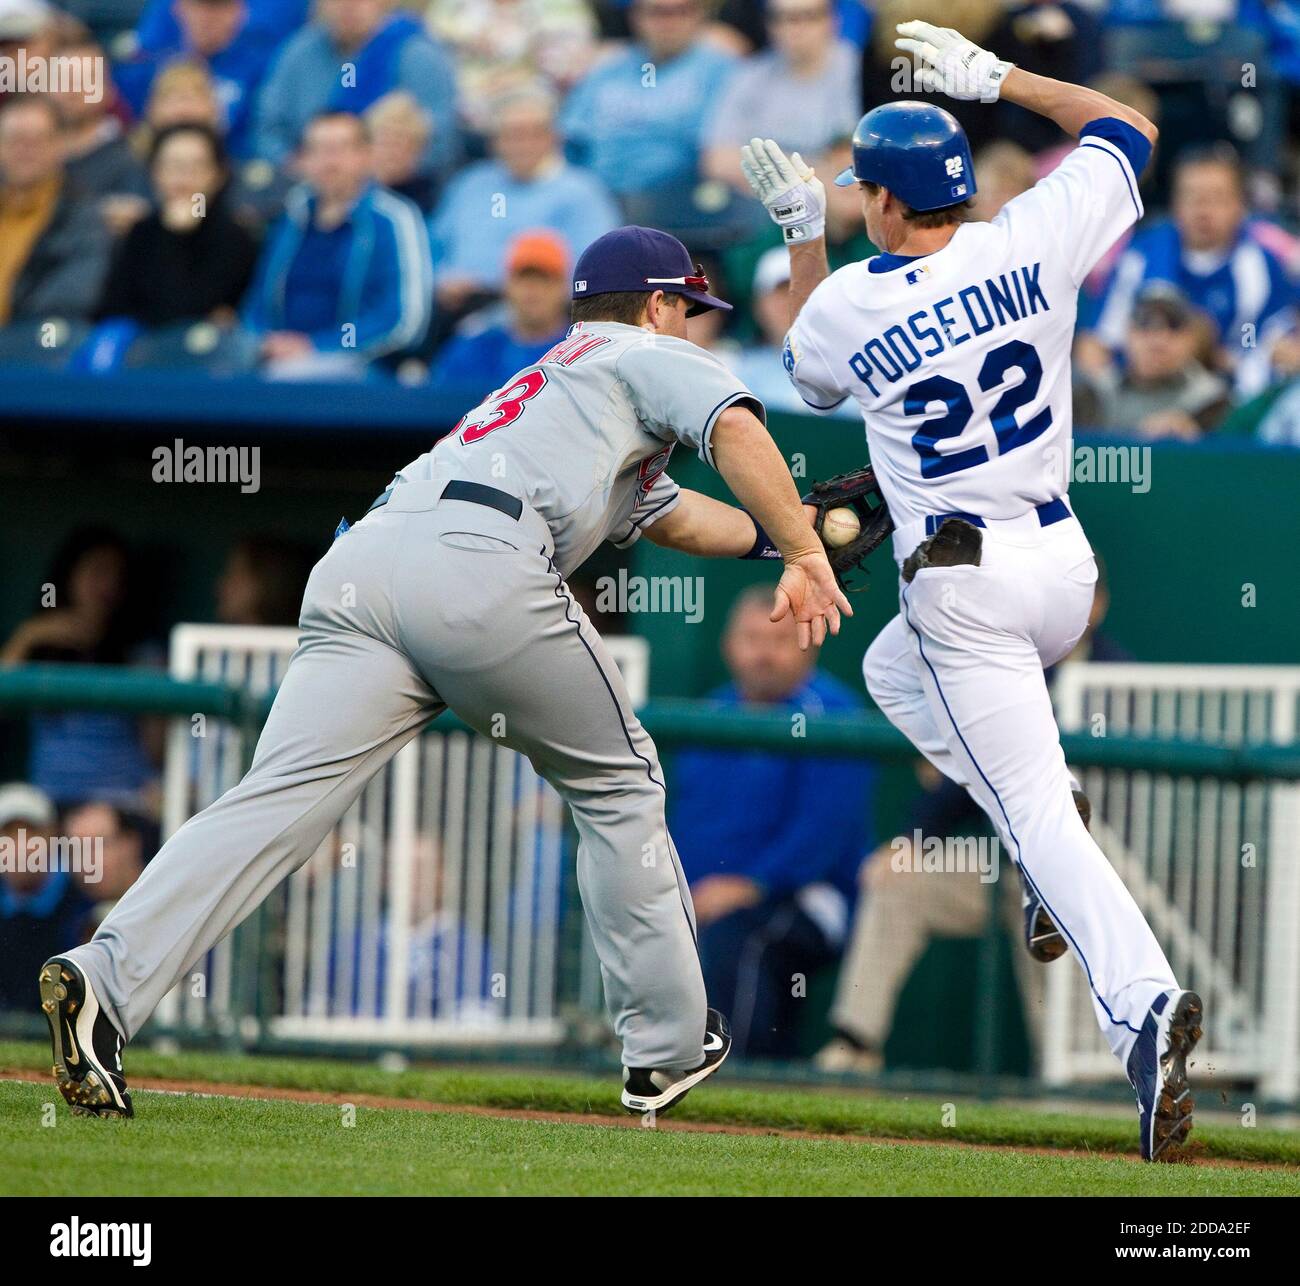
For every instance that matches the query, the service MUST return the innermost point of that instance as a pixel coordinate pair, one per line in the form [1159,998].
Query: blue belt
[1049,512]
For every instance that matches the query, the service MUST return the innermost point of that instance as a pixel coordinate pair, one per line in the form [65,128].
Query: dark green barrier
[672,723]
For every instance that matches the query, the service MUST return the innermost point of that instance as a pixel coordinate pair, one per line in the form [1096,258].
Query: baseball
[840,526]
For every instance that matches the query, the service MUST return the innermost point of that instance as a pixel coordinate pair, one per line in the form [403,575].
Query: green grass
[203,1145]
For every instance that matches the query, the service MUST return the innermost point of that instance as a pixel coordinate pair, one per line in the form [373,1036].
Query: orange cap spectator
[539,251]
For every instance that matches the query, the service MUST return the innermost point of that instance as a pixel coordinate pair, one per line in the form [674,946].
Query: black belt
[476,493]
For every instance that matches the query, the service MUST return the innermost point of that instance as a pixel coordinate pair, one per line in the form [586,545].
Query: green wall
[1211,519]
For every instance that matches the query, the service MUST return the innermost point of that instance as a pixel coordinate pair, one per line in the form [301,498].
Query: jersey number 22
[939,388]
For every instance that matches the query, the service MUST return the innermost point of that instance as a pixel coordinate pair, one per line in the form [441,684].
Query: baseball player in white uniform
[451,593]
[955,343]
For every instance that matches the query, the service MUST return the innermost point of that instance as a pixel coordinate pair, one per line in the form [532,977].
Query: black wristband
[762,546]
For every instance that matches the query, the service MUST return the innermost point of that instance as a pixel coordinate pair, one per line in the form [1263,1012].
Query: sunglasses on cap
[698,282]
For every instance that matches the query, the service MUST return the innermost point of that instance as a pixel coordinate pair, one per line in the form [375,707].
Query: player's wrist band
[763,546]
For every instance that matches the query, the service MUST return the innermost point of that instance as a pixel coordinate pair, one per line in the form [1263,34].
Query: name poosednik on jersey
[960,359]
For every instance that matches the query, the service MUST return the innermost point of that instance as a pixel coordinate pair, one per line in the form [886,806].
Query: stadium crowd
[361,189]
[357,190]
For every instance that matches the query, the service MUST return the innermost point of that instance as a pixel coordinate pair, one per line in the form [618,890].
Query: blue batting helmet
[917,151]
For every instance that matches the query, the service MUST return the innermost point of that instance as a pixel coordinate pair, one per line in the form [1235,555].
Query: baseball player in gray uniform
[451,593]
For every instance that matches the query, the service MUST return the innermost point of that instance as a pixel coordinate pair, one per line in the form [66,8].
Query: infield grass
[189,1144]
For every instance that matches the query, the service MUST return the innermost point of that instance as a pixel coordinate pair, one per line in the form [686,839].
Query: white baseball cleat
[647,1089]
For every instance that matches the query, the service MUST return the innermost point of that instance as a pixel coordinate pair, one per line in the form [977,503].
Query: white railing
[1214,864]
[433,913]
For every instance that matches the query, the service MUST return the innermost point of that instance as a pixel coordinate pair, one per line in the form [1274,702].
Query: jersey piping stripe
[1099,146]
[1087,969]
[567,599]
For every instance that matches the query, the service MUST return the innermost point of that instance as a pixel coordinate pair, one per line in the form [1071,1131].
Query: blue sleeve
[814,847]
[1133,143]
[257,302]
[275,115]
[398,292]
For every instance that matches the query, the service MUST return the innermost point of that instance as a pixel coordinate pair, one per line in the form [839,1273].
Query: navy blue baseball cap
[636,259]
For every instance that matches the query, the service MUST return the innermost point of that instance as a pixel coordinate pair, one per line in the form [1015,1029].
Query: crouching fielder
[955,343]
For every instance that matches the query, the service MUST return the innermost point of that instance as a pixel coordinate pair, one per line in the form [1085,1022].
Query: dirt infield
[218,1089]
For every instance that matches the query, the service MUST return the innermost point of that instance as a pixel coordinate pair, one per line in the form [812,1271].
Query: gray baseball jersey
[584,436]
[433,602]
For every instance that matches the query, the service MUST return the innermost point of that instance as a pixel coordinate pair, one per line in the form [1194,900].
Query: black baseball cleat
[1043,940]
[1157,1070]
[87,1047]
[647,1089]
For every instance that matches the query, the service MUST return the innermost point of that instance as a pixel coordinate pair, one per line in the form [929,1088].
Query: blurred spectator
[31,25]
[120,841]
[96,155]
[1209,252]
[87,613]
[1056,38]
[344,278]
[1002,172]
[760,364]
[189,258]
[262,582]
[183,93]
[41,910]
[804,91]
[493,344]
[53,245]
[1162,389]
[349,56]
[638,118]
[400,130]
[768,904]
[527,184]
[160,29]
[502,45]
[221,36]
[740,24]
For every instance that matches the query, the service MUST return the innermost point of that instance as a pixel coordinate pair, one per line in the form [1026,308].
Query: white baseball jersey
[960,360]
[584,435]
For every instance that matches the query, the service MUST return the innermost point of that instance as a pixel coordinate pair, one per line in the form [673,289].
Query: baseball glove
[859,491]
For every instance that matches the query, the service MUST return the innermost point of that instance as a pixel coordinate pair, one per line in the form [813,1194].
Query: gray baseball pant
[427,604]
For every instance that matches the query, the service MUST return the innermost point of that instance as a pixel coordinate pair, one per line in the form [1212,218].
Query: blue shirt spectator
[638,119]
[771,900]
[222,35]
[159,28]
[526,185]
[346,271]
[744,812]
[344,62]
[1207,249]
[497,342]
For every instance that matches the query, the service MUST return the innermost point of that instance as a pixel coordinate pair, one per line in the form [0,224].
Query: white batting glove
[951,64]
[794,196]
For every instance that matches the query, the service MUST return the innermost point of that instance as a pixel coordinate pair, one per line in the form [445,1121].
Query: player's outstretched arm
[1070,106]
[754,469]
[704,527]
[949,63]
